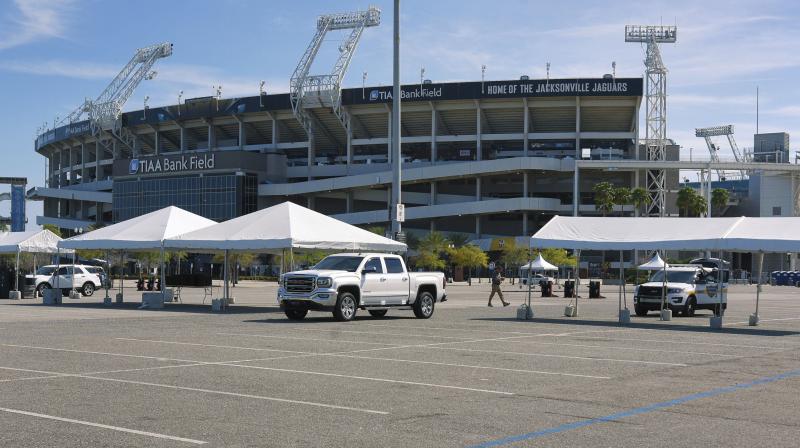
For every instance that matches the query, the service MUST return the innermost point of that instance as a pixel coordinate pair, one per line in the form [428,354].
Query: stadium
[494,158]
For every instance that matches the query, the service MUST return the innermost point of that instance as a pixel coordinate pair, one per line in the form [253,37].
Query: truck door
[373,281]
[397,281]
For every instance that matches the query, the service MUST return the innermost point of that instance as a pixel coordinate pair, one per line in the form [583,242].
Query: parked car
[105,279]
[536,279]
[83,280]
[690,287]
[344,283]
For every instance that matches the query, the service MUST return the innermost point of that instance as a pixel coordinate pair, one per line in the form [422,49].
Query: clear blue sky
[54,53]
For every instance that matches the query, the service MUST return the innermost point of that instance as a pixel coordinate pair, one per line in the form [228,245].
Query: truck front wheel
[640,310]
[345,309]
[423,307]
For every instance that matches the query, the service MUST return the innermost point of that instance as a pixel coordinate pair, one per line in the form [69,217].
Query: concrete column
[275,133]
[389,137]
[137,146]
[183,140]
[157,141]
[432,200]
[433,224]
[526,127]
[525,186]
[71,166]
[478,137]
[212,136]
[477,226]
[349,136]
[311,154]
[434,130]
[242,135]
[577,128]
[525,223]
[477,188]
[100,154]
[83,162]
[349,202]
[576,193]
[636,131]
[310,202]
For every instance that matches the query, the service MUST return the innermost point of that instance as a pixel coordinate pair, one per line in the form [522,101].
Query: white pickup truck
[344,283]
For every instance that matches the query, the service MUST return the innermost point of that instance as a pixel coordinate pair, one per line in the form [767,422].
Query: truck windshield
[45,270]
[339,263]
[674,276]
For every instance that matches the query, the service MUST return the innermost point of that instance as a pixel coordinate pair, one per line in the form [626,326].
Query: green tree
[53,228]
[458,239]
[604,197]
[719,199]
[639,198]
[513,257]
[622,197]
[378,230]
[429,260]
[698,205]
[434,242]
[3,227]
[558,257]
[469,257]
[686,200]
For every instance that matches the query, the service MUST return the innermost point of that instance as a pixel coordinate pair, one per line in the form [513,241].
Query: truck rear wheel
[640,310]
[424,305]
[345,309]
[377,313]
[296,313]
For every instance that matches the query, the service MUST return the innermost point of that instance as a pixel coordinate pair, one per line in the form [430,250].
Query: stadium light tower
[713,149]
[656,112]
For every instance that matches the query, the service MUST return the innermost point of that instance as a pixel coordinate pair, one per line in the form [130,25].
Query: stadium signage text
[171,165]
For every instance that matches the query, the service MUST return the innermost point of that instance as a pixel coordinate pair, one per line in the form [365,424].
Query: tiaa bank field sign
[171,164]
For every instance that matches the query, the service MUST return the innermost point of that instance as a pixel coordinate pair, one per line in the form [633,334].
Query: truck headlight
[674,290]
[324,282]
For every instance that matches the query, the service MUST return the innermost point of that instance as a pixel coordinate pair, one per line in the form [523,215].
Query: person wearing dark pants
[497,279]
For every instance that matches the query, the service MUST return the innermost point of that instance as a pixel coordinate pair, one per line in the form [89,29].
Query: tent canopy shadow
[751,331]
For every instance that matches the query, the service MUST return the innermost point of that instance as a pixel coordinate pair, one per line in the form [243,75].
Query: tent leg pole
[16,273]
[754,318]
[161,271]
[225,277]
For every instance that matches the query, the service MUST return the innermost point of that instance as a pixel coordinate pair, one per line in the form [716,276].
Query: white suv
[80,279]
[690,287]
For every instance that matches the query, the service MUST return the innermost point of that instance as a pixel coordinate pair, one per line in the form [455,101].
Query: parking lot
[82,374]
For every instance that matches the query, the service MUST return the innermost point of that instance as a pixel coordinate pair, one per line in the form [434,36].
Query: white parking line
[694,342]
[193,389]
[100,425]
[366,378]
[545,355]
[682,352]
[300,338]
[158,358]
[210,345]
[403,335]
[765,320]
[347,354]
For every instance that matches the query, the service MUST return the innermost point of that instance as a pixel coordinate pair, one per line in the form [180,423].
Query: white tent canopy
[146,232]
[655,264]
[773,234]
[283,226]
[617,233]
[38,241]
[539,264]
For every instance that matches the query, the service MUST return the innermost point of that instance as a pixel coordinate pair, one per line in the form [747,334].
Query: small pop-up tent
[33,241]
[145,232]
[281,227]
[655,264]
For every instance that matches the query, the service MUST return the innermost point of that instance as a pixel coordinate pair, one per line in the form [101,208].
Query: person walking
[497,279]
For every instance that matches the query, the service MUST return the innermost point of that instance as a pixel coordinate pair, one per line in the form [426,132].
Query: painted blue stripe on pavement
[636,411]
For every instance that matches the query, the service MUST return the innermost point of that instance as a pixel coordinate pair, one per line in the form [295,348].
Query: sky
[55,53]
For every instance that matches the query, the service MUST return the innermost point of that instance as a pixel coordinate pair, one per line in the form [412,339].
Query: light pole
[397,156]
[421,80]
[363,83]
[261,93]
[180,95]
[144,110]
[483,75]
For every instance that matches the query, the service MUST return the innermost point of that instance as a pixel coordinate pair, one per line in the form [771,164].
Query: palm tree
[685,200]
[698,205]
[458,239]
[604,197]
[622,197]
[435,242]
[719,199]
[639,197]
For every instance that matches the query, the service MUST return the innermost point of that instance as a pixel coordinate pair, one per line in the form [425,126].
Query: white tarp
[539,264]
[617,233]
[772,234]
[655,264]
[146,232]
[36,241]
[283,226]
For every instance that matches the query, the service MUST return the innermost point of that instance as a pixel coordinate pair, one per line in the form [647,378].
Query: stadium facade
[486,159]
